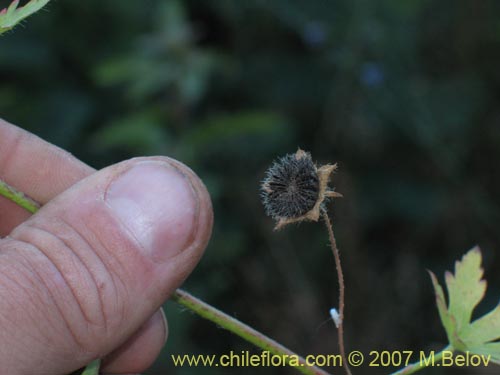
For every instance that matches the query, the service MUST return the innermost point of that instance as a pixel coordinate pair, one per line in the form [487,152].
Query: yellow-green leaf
[484,329]
[465,290]
[441,304]
[465,287]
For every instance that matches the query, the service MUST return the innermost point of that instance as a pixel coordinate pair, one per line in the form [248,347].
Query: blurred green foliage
[403,94]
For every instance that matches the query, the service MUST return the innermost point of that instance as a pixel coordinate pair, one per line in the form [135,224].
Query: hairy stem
[340,274]
[432,360]
[246,332]
[194,304]
[19,198]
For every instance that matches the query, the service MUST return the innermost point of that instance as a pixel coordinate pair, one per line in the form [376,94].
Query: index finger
[35,167]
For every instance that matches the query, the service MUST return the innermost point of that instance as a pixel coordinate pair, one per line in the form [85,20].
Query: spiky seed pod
[294,189]
[291,187]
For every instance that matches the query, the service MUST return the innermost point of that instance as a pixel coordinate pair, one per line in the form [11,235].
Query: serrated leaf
[11,16]
[465,290]
[484,329]
[465,287]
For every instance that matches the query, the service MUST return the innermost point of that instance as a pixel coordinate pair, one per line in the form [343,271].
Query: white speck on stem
[335,316]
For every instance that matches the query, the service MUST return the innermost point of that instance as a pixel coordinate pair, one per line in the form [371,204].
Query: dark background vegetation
[404,95]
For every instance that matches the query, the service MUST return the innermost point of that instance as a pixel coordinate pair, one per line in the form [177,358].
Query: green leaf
[11,16]
[465,290]
[441,303]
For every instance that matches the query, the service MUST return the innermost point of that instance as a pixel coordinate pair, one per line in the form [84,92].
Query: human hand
[85,276]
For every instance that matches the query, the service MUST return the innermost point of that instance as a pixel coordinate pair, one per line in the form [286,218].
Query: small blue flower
[372,74]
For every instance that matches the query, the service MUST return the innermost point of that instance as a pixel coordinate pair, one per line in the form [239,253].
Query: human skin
[85,277]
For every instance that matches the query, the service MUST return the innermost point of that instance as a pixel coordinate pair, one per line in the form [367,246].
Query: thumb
[85,272]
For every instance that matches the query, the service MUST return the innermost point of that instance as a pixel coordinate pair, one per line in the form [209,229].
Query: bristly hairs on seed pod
[295,189]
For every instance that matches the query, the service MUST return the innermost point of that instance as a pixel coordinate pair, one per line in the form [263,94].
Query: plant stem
[431,360]
[92,368]
[244,331]
[19,198]
[340,274]
[199,307]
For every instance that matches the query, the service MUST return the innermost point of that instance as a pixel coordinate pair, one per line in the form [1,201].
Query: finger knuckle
[85,294]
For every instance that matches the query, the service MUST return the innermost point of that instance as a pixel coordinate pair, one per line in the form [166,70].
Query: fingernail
[158,205]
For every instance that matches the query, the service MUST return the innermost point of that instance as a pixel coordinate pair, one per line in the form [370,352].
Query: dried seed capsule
[291,187]
[294,189]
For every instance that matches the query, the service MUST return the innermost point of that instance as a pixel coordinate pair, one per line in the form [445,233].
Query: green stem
[432,360]
[19,198]
[92,368]
[246,332]
[199,307]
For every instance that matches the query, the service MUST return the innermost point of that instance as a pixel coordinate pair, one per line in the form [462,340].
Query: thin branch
[19,198]
[244,331]
[336,255]
[92,368]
